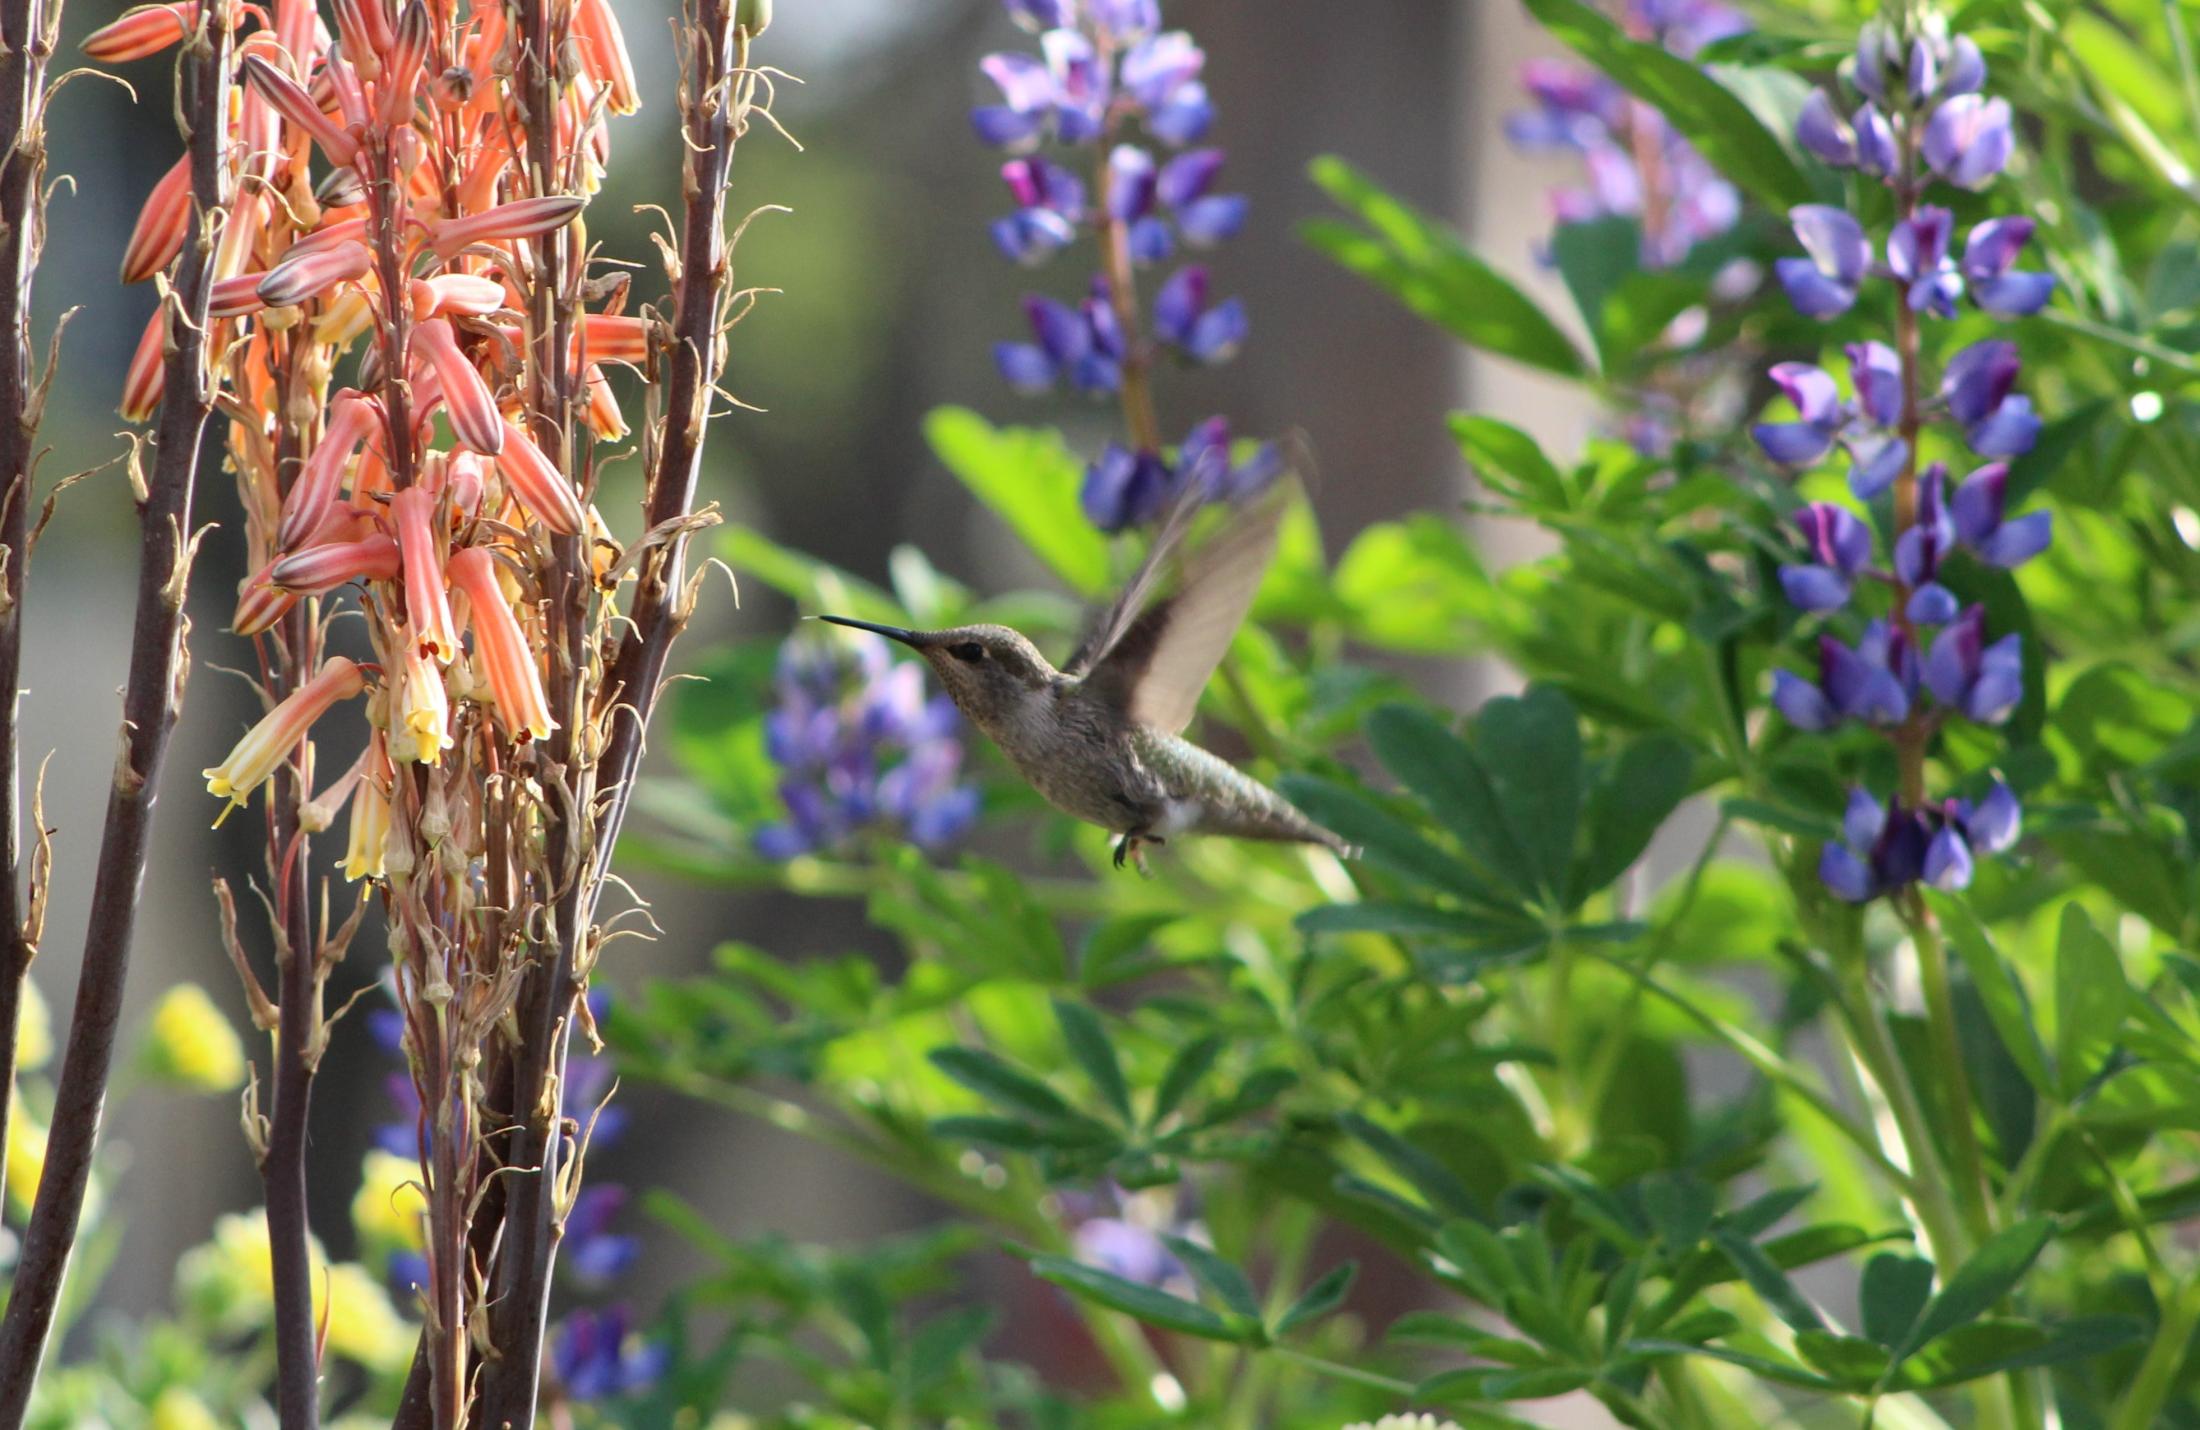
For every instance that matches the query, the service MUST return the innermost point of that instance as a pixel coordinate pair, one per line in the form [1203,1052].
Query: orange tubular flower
[407,53]
[142,32]
[311,570]
[141,385]
[605,419]
[352,418]
[608,338]
[310,274]
[466,293]
[420,548]
[540,487]
[268,744]
[501,652]
[473,410]
[525,218]
[603,52]
[294,104]
[161,225]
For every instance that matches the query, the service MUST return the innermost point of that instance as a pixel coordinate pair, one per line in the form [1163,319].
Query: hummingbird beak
[893,633]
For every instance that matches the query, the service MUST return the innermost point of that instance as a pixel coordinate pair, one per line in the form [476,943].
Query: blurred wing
[1157,668]
[1115,620]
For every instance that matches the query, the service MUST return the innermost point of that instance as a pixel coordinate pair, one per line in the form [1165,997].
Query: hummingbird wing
[1112,622]
[1156,668]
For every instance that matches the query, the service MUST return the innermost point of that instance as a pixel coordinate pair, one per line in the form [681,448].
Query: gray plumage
[1101,738]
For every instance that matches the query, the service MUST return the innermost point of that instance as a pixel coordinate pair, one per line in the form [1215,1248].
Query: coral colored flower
[466,293]
[353,417]
[609,338]
[296,105]
[272,741]
[603,54]
[501,651]
[142,32]
[421,549]
[142,382]
[523,218]
[311,570]
[465,396]
[310,272]
[161,225]
[539,486]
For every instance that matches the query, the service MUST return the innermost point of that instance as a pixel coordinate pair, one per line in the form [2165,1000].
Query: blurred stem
[2165,1358]
[1973,1196]
[1338,1371]
[1115,257]
[1927,1190]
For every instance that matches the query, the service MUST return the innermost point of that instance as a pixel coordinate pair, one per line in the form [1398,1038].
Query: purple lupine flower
[1041,14]
[1028,97]
[1966,832]
[1841,547]
[1050,204]
[1919,551]
[594,1254]
[1969,140]
[1872,682]
[1977,510]
[1204,460]
[1182,317]
[1917,255]
[1882,848]
[1082,346]
[847,723]
[1824,284]
[1584,113]
[1983,682]
[1818,411]
[1124,489]
[1989,257]
[596,1355]
[1978,386]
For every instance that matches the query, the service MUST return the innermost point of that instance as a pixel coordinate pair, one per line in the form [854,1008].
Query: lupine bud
[142,32]
[540,487]
[161,225]
[500,648]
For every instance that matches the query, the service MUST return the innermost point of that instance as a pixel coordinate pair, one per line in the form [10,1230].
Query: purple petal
[1877,462]
[1997,821]
[1184,118]
[1218,333]
[1130,187]
[1123,488]
[1876,373]
[1835,535]
[1062,331]
[1821,131]
[1952,664]
[1155,69]
[1923,75]
[2014,295]
[1993,246]
[1031,236]
[1793,444]
[1965,70]
[1003,128]
[1815,588]
[1208,221]
[1813,293]
[1027,85]
[1968,140]
[1977,505]
[1188,176]
[1931,604]
[1862,818]
[1024,367]
[1876,53]
[1811,389]
[1179,303]
[1917,245]
[2018,541]
[1845,875]
[1978,378]
[2000,685]
[1948,860]
[1875,151]
[1801,702]
[1151,242]
[1862,688]
[2009,431]
[1833,239]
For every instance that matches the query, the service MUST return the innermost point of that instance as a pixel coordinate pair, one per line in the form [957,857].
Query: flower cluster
[1636,165]
[1104,66]
[858,746]
[1929,658]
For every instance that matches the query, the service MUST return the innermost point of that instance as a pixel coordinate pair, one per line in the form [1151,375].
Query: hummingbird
[1102,738]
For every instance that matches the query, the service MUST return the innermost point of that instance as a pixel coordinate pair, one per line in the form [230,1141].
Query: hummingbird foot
[1132,846]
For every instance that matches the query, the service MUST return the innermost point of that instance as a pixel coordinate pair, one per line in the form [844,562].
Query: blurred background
[890,299]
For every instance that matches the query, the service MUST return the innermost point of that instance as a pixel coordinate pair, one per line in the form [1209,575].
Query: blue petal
[1948,861]
[1932,605]
[1208,221]
[1997,821]
[1877,464]
[1812,292]
[1801,702]
[1005,128]
[2009,431]
[2018,541]
[1793,444]
[1815,588]
[2013,295]
[1845,875]
[1219,332]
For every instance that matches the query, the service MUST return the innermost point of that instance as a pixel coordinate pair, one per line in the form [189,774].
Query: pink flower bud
[524,218]
[311,570]
[365,28]
[402,63]
[466,293]
[235,297]
[142,383]
[467,398]
[603,415]
[144,31]
[501,651]
[300,276]
[352,418]
[539,486]
[603,54]
[294,104]
[161,225]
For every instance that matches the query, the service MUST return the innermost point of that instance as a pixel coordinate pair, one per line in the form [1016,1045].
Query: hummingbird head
[989,671]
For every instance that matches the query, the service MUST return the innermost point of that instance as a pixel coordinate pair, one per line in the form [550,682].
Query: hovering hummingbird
[1100,738]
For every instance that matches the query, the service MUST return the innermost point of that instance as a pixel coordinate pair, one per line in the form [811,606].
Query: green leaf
[1319,1299]
[1217,1275]
[2090,999]
[1853,1361]
[1767,1280]
[1680,1207]
[1005,1133]
[1531,747]
[1626,807]
[2056,441]
[1187,1069]
[1992,1273]
[1425,267]
[1990,1347]
[1384,839]
[1155,1308]
[994,1079]
[1442,772]
[1895,1289]
[1705,112]
[1382,916]
[1030,479]
[1110,952]
[1089,1044]
[1508,460]
[1998,989]
[1624,308]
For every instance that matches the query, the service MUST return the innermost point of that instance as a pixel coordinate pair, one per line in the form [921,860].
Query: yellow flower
[190,1043]
[362,1324]
[179,1409]
[389,1206]
[26,1154]
[33,1030]
[280,732]
[370,831]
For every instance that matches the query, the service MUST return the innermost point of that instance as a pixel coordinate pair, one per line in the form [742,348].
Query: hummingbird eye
[967,650]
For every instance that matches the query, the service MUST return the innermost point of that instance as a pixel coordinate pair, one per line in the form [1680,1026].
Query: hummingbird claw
[1133,847]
